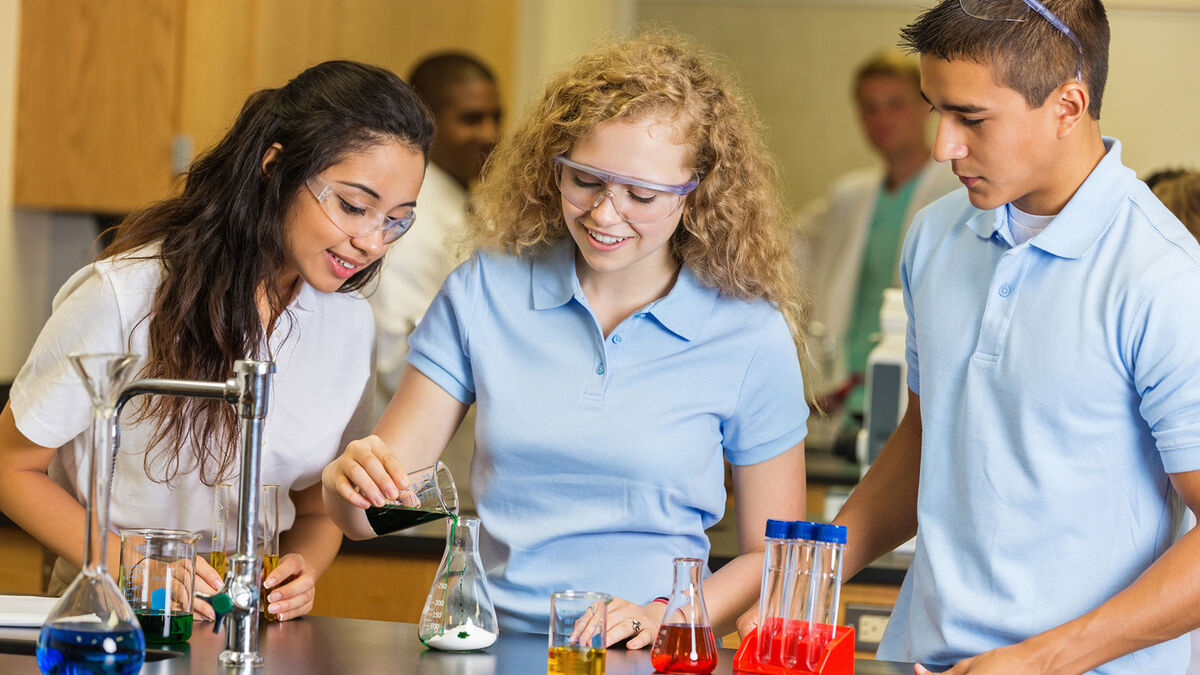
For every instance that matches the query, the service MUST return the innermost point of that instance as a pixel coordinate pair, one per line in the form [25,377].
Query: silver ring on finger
[637,626]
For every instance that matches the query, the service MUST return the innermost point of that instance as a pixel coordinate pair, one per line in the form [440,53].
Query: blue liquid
[81,649]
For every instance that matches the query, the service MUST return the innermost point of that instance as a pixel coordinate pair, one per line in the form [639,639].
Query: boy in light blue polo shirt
[1054,368]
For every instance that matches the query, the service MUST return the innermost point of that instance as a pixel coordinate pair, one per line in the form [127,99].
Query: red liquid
[682,648]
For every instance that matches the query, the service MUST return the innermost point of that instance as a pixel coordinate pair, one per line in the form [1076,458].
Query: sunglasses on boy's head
[1018,10]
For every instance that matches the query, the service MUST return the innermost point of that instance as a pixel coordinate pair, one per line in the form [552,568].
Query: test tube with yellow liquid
[224,529]
[268,541]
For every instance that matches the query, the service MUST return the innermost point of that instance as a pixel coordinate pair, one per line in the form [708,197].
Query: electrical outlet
[871,627]
[869,622]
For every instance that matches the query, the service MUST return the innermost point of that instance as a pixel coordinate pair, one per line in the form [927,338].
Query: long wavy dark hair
[221,242]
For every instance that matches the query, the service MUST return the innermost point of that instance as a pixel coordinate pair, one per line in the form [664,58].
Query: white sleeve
[49,403]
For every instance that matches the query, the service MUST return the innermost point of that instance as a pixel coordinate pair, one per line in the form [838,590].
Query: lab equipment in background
[800,622]
[578,623]
[158,573]
[685,642]
[886,380]
[268,542]
[430,495]
[92,629]
[458,614]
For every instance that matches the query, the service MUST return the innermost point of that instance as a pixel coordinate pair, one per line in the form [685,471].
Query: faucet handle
[221,604]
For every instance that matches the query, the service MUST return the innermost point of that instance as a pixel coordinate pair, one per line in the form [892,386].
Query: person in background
[462,95]
[851,237]
[1179,190]
[1053,345]
[262,255]
[629,322]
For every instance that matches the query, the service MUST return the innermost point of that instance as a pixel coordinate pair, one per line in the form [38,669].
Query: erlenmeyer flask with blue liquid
[92,629]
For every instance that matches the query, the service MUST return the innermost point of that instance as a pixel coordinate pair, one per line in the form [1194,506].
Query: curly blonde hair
[733,233]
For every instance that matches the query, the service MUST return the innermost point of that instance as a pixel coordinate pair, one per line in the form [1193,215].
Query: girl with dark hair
[261,256]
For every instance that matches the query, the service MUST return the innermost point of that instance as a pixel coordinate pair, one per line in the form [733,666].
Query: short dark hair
[436,74]
[1031,57]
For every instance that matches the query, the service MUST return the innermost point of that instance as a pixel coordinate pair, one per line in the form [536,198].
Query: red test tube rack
[837,656]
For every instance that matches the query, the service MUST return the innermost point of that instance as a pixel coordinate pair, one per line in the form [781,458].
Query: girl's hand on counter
[291,588]
[624,617]
[366,473]
[208,581]
[748,621]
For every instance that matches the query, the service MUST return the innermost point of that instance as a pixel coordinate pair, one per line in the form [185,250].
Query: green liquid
[161,628]
[388,519]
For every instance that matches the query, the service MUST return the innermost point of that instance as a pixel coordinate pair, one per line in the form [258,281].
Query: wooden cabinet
[96,92]
[111,92]
[384,585]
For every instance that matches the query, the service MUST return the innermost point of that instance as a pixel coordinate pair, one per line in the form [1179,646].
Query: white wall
[796,59]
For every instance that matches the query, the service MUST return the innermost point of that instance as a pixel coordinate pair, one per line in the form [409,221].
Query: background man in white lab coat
[851,238]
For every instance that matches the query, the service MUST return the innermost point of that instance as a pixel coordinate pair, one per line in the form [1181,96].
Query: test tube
[830,548]
[773,592]
[799,611]
[224,527]
[268,541]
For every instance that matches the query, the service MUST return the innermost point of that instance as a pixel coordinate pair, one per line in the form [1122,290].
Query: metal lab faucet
[235,603]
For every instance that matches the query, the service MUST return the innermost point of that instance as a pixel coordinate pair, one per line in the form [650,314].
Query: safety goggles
[1018,10]
[355,218]
[635,200]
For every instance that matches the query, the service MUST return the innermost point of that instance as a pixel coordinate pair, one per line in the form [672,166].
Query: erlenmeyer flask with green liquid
[92,629]
[459,615]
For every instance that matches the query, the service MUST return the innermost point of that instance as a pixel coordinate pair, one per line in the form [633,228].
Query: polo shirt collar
[682,311]
[1084,219]
[306,297]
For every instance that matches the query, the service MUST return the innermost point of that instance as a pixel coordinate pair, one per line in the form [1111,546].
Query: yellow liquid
[575,661]
[217,560]
[270,562]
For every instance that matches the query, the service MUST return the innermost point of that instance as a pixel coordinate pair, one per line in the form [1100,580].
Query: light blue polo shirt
[599,460]
[1060,384]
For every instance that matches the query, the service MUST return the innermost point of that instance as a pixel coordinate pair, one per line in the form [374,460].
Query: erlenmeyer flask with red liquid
[685,642]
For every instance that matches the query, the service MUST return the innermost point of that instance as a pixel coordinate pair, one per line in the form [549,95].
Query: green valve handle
[222,604]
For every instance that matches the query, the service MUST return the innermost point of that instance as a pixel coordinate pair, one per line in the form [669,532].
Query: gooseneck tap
[236,603]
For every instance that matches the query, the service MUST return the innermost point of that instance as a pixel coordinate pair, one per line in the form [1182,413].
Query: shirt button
[600,369]
[616,338]
[1005,291]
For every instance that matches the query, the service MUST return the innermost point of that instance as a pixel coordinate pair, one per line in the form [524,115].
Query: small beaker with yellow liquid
[578,622]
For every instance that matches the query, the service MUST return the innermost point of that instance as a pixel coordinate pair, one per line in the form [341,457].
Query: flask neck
[686,605]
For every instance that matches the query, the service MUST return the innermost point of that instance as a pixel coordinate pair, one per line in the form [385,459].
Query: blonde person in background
[851,238]
[628,324]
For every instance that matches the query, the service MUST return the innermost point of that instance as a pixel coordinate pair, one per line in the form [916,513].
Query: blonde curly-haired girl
[626,325]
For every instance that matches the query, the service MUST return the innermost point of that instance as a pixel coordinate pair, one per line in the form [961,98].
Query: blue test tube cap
[777,529]
[802,529]
[833,534]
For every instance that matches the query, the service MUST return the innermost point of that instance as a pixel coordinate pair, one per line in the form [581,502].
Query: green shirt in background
[877,273]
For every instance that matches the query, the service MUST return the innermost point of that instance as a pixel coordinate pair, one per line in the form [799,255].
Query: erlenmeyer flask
[92,629]
[459,615]
[685,641]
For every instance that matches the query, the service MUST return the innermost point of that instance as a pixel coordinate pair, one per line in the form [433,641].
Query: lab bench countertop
[330,646]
